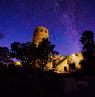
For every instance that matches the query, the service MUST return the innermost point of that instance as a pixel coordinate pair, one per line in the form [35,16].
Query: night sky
[65,19]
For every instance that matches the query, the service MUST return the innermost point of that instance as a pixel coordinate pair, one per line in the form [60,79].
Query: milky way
[75,16]
[65,19]
[68,20]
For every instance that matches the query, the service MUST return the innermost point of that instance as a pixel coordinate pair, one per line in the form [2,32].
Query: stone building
[64,64]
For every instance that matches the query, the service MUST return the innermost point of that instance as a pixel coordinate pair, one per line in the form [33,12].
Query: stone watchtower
[40,33]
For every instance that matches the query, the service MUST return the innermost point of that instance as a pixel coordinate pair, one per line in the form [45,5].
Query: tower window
[76,54]
[45,31]
[41,30]
[65,68]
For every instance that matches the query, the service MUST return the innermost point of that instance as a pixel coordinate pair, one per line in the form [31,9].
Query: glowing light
[18,64]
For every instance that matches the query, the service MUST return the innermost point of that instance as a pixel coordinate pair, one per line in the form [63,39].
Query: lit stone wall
[49,66]
[57,58]
[40,33]
[61,67]
[75,58]
[64,66]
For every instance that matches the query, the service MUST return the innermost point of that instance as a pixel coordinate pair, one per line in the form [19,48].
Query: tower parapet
[40,33]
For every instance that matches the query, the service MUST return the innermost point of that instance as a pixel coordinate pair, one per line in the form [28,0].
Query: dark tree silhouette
[45,51]
[5,58]
[25,52]
[32,56]
[15,49]
[87,40]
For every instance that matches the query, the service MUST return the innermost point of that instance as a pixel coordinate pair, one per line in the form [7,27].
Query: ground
[45,84]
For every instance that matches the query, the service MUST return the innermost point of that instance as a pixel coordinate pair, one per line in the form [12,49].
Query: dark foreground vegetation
[19,83]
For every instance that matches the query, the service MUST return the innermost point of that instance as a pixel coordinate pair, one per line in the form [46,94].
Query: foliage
[23,51]
[87,40]
[45,52]
[5,58]
[30,55]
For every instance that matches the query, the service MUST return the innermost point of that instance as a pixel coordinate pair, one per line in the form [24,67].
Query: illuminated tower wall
[40,33]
